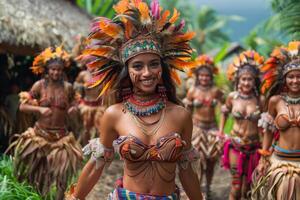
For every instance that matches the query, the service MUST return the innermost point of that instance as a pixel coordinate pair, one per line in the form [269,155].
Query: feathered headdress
[40,61]
[135,29]
[282,60]
[247,60]
[204,61]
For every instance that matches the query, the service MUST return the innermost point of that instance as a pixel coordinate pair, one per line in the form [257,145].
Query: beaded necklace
[291,100]
[144,108]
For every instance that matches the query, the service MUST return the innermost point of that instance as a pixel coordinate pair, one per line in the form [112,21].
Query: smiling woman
[278,173]
[136,55]
[47,153]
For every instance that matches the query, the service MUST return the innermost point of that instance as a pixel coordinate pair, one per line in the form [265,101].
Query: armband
[99,153]
[224,109]
[187,102]
[26,98]
[266,122]
[190,156]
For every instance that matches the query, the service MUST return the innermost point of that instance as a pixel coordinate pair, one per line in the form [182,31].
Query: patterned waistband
[205,125]
[94,103]
[51,134]
[247,148]
[285,154]
[121,193]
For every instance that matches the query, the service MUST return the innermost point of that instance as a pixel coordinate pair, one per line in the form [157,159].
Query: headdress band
[139,46]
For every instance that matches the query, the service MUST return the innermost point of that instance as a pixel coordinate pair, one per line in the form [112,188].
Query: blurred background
[223,29]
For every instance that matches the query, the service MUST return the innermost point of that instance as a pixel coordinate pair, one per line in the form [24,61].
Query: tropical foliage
[288,12]
[10,188]
[97,7]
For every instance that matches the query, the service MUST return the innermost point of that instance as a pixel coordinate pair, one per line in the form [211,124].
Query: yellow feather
[144,11]
[162,21]
[107,86]
[184,37]
[104,51]
[175,16]
[121,6]
[175,77]
[111,29]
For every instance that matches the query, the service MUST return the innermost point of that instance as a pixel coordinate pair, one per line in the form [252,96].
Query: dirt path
[220,186]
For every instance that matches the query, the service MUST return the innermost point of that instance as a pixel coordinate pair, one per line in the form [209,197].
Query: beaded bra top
[137,155]
[283,121]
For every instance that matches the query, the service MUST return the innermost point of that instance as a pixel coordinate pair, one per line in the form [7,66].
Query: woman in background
[245,105]
[202,99]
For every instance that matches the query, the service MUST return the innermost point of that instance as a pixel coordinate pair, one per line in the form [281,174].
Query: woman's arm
[188,100]
[188,176]
[29,100]
[269,116]
[93,169]
[225,110]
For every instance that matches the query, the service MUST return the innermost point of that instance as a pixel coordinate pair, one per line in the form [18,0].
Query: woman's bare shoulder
[114,110]
[178,111]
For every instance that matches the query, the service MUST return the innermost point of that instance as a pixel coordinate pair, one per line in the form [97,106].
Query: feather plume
[111,29]
[175,77]
[162,21]
[175,16]
[121,7]
[97,63]
[144,13]
[103,51]
[184,37]
[180,64]
[155,10]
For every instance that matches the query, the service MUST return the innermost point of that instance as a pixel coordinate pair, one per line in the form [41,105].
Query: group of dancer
[132,62]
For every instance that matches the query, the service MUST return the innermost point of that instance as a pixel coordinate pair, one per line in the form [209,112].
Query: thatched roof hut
[28,26]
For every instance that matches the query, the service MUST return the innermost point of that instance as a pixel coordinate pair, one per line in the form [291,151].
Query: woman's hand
[262,166]
[72,110]
[45,112]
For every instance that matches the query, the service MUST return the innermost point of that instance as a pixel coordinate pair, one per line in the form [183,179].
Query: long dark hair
[124,83]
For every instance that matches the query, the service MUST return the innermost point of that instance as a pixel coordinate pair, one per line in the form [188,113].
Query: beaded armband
[266,122]
[224,109]
[190,156]
[99,153]
[26,98]
[187,102]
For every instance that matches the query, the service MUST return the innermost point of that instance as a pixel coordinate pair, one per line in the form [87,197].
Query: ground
[220,186]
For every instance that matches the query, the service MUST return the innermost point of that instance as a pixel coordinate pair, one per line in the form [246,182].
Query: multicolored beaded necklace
[145,108]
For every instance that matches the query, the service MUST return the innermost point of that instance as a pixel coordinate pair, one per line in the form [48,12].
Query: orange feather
[111,29]
[97,63]
[184,37]
[128,29]
[175,77]
[175,16]
[107,85]
[103,51]
[162,21]
[121,6]
[144,11]
[180,64]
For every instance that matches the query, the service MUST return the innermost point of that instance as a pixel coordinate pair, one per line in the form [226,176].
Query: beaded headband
[139,46]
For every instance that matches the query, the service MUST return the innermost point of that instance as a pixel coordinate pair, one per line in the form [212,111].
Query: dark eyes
[139,66]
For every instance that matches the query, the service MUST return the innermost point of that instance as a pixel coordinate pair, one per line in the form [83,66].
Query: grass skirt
[282,178]
[206,142]
[43,158]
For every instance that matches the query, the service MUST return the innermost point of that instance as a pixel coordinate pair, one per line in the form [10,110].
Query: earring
[162,91]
